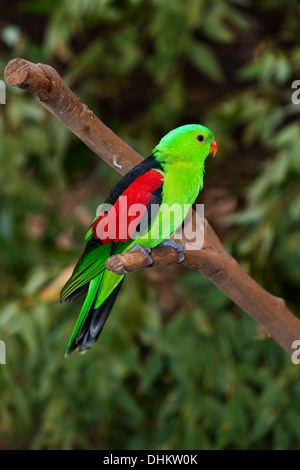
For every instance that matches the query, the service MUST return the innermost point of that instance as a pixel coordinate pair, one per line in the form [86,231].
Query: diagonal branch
[211,259]
[54,95]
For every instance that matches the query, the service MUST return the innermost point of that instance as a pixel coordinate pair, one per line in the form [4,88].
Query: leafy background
[178,366]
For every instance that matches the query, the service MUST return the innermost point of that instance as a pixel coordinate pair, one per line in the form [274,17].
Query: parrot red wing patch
[119,223]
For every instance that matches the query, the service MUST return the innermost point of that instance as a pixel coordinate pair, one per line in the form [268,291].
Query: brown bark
[211,259]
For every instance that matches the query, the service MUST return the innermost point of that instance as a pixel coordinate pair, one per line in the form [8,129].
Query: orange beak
[213,148]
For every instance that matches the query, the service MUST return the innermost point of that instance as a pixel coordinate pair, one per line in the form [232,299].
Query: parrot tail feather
[93,324]
[77,293]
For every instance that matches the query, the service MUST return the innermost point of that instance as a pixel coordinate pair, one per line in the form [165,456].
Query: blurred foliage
[178,366]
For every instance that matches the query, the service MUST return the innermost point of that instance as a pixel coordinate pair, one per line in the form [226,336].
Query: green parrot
[161,190]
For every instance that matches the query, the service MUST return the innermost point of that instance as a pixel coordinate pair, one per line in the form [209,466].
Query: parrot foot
[178,248]
[146,252]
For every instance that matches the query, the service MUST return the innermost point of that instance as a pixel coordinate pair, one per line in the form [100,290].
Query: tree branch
[211,259]
[54,95]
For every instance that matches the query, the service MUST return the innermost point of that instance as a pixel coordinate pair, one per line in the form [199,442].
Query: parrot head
[190,143]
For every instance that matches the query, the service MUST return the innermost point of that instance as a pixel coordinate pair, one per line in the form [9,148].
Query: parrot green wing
[91,263]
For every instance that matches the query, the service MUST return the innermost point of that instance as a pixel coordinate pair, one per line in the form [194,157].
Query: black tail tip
[81,346]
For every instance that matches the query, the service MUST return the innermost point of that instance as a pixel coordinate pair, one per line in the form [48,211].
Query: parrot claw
[146,252]
[178,248]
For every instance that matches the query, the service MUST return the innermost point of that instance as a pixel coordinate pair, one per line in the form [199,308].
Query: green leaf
[204,59]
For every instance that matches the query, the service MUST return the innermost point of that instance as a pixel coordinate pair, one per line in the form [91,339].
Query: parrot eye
[200,138]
